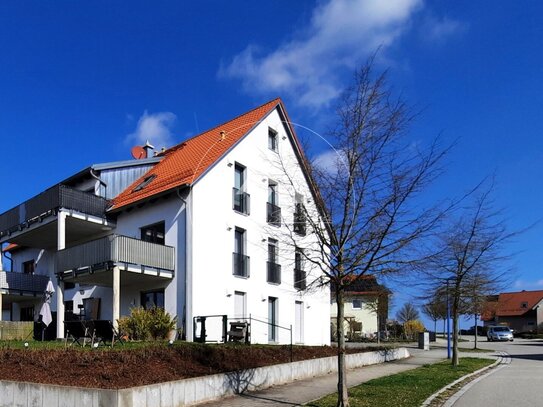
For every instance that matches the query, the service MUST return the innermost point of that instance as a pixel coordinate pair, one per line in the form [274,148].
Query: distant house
[521,311]
[366,308]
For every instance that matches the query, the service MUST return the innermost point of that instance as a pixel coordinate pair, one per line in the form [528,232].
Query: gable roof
[186,162]
[510,304]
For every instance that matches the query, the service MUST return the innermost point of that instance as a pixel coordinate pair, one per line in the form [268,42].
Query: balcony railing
[299,220]
[241,201]
[273,214]
[44,204]
[300,279]
[116,249]
[274,273]
[21,282]
[240,265]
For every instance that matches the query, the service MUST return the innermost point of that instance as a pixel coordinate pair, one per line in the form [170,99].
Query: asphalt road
[517,383]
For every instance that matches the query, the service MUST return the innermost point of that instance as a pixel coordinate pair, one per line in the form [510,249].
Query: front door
[272,319]
[240,305]
[299,322]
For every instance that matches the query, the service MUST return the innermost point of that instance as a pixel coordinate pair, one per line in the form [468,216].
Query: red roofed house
[521,311]
[198,229]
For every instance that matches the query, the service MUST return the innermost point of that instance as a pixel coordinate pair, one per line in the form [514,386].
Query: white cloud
[155,127]
[339,35]
[330,161]
[438,30]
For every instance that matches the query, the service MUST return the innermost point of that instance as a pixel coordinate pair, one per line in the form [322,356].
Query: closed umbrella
[45,310]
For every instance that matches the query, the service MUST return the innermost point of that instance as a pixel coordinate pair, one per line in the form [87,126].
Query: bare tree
[435,309]
[470,262]
[407,313]
[370,220]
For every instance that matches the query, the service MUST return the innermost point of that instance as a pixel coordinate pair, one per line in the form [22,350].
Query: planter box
[184,392]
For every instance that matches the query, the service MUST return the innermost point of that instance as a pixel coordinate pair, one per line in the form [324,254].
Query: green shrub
[143,325]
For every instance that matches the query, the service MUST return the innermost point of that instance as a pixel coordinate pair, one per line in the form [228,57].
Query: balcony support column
[116,295]
[61,244]
[1,309]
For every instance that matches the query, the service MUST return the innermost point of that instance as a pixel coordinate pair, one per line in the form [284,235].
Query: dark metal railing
[274,273]
[116,249]
[240,265]
[299,279]
[299,220]
[241,201]
[49,201]
[22,282]
[273,214]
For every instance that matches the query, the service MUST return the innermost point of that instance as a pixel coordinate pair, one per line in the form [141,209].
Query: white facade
[200,224]
[360,309]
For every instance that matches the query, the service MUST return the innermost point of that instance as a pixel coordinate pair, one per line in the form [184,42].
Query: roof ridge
[180,144]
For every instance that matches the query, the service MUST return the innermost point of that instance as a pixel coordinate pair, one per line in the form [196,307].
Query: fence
[16,330]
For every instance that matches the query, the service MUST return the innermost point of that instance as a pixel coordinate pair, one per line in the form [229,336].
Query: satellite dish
[139,152]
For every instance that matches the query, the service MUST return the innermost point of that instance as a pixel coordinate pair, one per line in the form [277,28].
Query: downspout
[96,177]
[187,317]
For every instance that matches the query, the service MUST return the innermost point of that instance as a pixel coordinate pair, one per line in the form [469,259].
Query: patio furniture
[104,331]
[239,332]
[79,330]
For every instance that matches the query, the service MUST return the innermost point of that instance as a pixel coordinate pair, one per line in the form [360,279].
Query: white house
[211,227]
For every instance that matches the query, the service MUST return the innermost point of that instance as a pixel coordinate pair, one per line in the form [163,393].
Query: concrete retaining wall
[183,392]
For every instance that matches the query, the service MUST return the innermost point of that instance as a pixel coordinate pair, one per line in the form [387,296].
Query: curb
[430,399]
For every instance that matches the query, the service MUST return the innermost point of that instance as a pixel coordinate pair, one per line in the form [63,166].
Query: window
[153,233]
[299,272]
[524,305]
[357,304]
[273,210]
[29,267]
[299,215]
[150,299]
[274,269]
[27,313]
[146,181]
[272,319]
[272,139]
[240,305]
[240,259]
[239,195]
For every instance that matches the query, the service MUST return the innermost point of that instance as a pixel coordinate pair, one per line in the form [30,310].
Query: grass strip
[407,389]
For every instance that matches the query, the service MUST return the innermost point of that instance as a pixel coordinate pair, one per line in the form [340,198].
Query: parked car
[499,333]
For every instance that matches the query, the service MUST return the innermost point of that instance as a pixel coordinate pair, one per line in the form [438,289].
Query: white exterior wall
[172,212]
[214,222]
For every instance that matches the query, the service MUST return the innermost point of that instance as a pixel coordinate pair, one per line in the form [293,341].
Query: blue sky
[81,82]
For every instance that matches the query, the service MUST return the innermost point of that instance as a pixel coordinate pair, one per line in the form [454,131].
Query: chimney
[148,147]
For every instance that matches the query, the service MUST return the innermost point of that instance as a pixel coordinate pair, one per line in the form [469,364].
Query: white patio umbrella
[45,310]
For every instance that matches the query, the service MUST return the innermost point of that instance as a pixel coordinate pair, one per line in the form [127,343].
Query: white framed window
[357,304]
[272,139]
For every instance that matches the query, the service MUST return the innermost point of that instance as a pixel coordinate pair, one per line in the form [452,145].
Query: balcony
[299,220]
[21,283]
[274,273]
[241,201]
[299,279]
[45,206]
[240,265]
[103,254]
[273,214]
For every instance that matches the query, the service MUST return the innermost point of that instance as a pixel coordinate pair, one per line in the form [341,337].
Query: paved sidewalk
[304,391]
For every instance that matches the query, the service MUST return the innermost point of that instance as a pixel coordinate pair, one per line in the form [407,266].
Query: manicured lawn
[407,389]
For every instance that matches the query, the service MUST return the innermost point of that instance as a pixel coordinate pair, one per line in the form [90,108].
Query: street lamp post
[448,323]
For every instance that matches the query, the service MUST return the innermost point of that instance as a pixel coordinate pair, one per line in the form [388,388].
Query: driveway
[517,383]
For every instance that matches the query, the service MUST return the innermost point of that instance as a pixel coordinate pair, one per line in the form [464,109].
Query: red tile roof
[510,304]
[187,161]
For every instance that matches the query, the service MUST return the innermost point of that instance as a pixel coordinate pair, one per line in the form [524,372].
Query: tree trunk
[455,332]
[475,316]
[342,395]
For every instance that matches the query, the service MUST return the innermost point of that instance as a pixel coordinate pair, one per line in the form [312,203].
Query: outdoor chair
[238,332]
[77,331]
[104,331]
